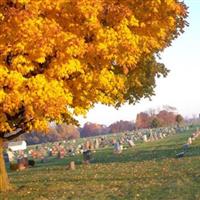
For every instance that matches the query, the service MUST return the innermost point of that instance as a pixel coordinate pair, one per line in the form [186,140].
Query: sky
[179,89]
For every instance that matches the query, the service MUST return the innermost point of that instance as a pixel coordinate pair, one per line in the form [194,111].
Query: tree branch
[20,132]
[41,67]
[11,137]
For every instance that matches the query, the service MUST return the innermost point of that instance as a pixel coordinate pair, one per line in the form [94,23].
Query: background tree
[157,118]
[55,133]
[121,126]
[59,58]
[179,119]
[92,129]
[67,132]
[142,120]
[166,118]
[155,123]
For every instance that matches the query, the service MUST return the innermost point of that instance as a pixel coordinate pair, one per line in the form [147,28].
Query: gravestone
[185,147]
[11,156]
[180,155]
[22,163]
[189,141]
[155,136]
[160,135]
[6,158]
[151,137]
[131,143]
[21,167]
[117,148]
[96,143]
[72,165]
[31,163]
[144,137]
[87,156]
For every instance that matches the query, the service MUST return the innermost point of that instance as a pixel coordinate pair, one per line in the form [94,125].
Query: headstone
[189,141]
[6,158]
[21,166]
[131,143]
[31,163]
[180,155]
[117,148]
[96,143]
[113,141]
[185,147]
[151,137]
[155,136]
[71,152]
[49,152]
[72,165]
[91,146]
[87,145]
[160,135]
[87,156]
[61,153]
[34,154]
[144,137]
[11,155]
[22,163]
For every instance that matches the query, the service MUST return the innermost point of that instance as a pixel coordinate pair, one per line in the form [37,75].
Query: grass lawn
[146,171]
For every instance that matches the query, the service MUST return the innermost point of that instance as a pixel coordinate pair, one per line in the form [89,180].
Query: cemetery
[109,171]
[100,63]
[18,152]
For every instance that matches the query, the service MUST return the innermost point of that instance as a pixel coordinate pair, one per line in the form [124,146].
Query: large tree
[59,58]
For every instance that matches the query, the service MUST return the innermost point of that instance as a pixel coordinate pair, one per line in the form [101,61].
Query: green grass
[147,171]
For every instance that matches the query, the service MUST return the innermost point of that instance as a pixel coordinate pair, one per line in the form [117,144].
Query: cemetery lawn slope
[146,171]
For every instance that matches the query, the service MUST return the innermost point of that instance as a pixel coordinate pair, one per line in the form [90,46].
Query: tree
[121,126]
[67,132]
[155,123]
[59,58]
[93,129]
[166,118]
[142,120]
[55,133]
[179,119]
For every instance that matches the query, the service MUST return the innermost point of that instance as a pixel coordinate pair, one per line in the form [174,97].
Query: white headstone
[131,143]
[11,155]
[160,135]
[189,140]
[144,137]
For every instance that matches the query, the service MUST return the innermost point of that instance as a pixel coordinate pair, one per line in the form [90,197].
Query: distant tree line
[68,132]
[148,119]
[161,118]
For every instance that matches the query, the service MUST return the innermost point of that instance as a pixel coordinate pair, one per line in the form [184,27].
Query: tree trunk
[4,182]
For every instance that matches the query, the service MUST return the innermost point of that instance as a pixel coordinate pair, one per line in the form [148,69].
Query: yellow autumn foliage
[59,58]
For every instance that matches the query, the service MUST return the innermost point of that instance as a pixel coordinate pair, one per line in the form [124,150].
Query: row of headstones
[127,138]
[62,149]
[153,135]
[189,142]
[193,137]
[148,135]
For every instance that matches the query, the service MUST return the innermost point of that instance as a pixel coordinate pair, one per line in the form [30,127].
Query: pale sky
[179,89]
